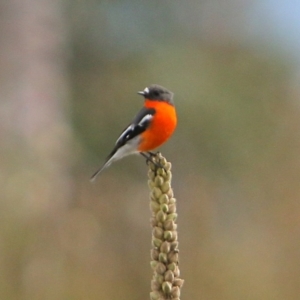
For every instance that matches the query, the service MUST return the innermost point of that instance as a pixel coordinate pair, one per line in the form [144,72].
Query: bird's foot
[149,158]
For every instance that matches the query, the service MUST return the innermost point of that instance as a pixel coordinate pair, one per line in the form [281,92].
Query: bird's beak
[141,93]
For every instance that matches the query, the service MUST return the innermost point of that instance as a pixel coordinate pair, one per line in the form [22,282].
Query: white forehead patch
[146,90]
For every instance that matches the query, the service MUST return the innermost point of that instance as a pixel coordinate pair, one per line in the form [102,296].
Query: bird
[152,126]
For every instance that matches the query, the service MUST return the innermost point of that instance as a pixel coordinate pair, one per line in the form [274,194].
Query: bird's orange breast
[162,125]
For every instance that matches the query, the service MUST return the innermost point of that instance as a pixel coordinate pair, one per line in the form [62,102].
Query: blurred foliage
[235,157]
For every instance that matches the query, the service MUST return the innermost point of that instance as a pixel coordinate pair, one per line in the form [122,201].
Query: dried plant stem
[166,282]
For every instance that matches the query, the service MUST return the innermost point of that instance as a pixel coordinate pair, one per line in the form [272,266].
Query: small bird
[151,127]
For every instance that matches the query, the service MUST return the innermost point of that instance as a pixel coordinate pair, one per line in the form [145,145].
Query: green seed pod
[168,176]
[172,217]
[166,186]
[172,200]
[155,295]
[158,232]
[159,278]
[161,216]
[174,246]
[173,257]
[153,264]
[162,160]
[164,208]
[168,236]
[159,224]
[154,254]
[154,206]
[167,166]
[169,276]
[166,287]
[160,268]
[175,292]
[163,199]
[174,236]
[162,257]
[176,272]
[169,225]
[161,172]
[178,282]
[151,174]
[150,184]
[170,193]
[153,221]
[172,266]
[156,192]
[165,247]
[172,208]
[156,242]
[155,286]
[158,180]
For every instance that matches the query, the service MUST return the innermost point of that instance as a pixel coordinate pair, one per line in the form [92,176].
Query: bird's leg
[152,153]
[149,157]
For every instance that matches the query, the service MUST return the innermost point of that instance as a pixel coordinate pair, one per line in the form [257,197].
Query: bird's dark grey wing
[138,125]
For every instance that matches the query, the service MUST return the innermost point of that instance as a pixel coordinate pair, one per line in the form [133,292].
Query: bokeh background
[69,73]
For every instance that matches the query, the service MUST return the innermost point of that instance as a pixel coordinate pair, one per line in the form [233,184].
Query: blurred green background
[69,73]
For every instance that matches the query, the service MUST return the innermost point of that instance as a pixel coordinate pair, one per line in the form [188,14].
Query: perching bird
[151,127]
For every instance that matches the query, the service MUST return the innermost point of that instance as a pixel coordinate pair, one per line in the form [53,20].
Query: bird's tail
[94,176]
[116,154]
[107,163]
